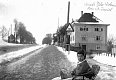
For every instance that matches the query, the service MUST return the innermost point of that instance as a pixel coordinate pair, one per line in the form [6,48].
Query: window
[98,29]
[84,38]
[95,29]
[83,29]
[98,47]
[72,38]
[101,29]
[98,38]
[86,29]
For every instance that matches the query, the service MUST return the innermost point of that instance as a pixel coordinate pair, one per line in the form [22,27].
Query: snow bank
[11,55]
[71,55]
[102,58]
[3,43]
[106,59]
[105,73]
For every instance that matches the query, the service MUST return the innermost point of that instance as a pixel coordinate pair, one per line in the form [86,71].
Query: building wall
[72,37]
[89,36]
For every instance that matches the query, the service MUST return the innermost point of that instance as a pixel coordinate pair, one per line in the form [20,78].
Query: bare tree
[110,43]
[4,31]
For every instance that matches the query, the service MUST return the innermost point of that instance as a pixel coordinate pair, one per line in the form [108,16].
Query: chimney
[92,13]
[81,13]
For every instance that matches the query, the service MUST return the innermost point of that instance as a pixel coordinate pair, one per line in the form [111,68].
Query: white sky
[41,16]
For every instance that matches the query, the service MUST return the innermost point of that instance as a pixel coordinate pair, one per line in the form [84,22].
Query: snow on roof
[89,18]
[94,23]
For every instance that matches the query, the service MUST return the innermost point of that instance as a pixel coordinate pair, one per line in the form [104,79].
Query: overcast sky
[41,16]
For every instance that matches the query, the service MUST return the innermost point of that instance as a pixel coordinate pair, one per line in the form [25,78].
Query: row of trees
[21,35]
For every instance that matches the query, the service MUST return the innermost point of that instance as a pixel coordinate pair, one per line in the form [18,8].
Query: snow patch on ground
[3,43]
[105,73]
[71,55]
[106,59]
[11,55]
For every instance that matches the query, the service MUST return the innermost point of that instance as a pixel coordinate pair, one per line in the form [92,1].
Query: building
[90,33]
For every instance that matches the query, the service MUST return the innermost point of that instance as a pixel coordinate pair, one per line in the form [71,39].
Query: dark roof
[87,17]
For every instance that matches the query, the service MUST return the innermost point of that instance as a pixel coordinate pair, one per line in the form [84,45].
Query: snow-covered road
[106,72]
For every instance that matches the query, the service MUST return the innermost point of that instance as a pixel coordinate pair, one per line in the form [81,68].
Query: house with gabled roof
[90,33]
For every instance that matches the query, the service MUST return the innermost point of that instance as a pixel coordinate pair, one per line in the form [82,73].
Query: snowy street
[45,64]
[42,64]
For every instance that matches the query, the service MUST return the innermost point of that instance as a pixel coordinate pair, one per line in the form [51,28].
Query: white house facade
[89,34]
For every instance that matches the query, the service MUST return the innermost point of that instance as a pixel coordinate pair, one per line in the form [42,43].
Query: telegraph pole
[68,36]
[68,12]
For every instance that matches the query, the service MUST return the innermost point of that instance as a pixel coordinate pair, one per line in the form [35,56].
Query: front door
[84,47]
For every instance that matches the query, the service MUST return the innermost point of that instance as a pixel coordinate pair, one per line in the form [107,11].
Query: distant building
[11,38]
[89,33]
